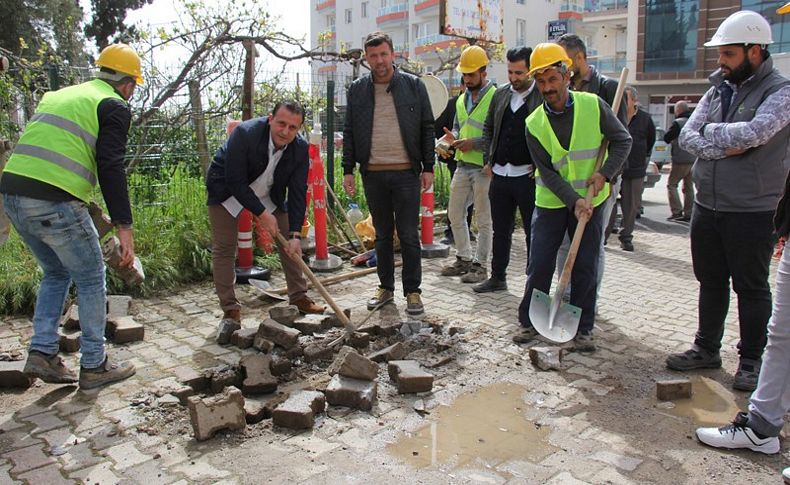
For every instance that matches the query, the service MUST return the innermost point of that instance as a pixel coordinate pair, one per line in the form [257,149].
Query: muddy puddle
[711,403]
[488,425]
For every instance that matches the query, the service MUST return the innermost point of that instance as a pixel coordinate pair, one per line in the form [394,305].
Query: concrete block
[209,415]
[546,358]
[298,412]
[310,324]
[12,375]
[670,390]
[190,377]
[258,378]
[122,330]
[393,352]
[389,328]
[254,411]
[284,314]
[101,221]
[69,340]
[359,340]
[222,377]
[262,344]
[244,337]
[349,363]
[279,365]
[409,377]
[316,352]
[71,319]
[278,333]
[333,321]
[352,393]
[118,305]
[226,329]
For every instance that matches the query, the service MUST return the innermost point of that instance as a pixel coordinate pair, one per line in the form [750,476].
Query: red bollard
[429,248]
[322,261]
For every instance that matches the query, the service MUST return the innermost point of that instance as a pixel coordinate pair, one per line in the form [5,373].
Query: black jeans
[506,194]
[737,246]
[394,202]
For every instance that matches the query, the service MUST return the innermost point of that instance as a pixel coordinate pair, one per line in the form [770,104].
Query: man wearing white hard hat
[739,134]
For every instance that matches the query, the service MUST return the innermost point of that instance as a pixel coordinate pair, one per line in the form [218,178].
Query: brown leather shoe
[232,315]
[306,305]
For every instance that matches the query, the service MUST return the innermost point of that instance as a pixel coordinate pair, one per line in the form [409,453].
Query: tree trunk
[200,126]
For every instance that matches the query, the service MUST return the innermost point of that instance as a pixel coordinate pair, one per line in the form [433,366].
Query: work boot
[491,284]
[747,374]
[458,268]
[379,298]
[414,306]
[694,358]
[306,305]
[525,335]
[107,373]
[476,274]
[738,435]
[584,341]
[627,246]
[48,368]
[232,315]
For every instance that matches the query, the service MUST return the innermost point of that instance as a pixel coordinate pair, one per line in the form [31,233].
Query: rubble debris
[254,411]
[226,328]
[285,337]
[188,376]
[71,319]
[409,377]
[352,393]
[284,314]
[438,361]
[243,338]
[258,378]
[298,412]
[673,389]
[359,340]
[69,341]
[316,352]
[211,414]
[118,305]
[393,352]
[310,324]
[349,363]
[222,377]
[12,375]
[280,366]
[333,320]
[546,358]
[123,330]
[262,344]
[171,385]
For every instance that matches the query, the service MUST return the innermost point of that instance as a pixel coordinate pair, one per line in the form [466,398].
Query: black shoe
[675,217]
[489,285]
[627,246]
[685,219]
[615,230]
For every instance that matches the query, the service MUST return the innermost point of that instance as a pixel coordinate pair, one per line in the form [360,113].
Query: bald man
[682,162]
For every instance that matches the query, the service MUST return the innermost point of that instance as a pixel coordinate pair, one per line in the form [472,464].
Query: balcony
[402,49]
[319,6]
[436,41]
[605,5]
[432,39]
[393,13]
[608,64]
[425,6]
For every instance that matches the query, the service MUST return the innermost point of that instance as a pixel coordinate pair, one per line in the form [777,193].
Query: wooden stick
[345,216]
[337,278]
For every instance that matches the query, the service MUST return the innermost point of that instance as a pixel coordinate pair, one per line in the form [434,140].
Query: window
[363,10]
[330,22]
[671,35]
[348,15]
[780,24]
[521,32]
[519,2]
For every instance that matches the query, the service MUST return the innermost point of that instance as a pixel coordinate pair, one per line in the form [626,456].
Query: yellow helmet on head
[472,59]
[546,55]
[123,59]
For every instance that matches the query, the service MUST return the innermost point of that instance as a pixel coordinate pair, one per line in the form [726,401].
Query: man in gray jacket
[681,167]
[739,134]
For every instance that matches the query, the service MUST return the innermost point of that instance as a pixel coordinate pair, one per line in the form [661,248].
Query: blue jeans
[65,243]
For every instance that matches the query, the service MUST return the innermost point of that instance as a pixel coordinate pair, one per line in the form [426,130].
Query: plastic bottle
[354,214]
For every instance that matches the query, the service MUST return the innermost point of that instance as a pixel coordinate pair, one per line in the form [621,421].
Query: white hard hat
[744,27]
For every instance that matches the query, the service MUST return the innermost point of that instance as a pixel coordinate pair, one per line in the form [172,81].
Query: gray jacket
[496,111]
[680,156]
[754,180]
[415,120]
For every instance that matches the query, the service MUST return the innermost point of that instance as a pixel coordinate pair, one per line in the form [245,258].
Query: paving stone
[201,471]
[280,366]
[254,411]
[28,458]
[71,319]
[190,377]
[353,393]
[118,305]
[349,363]
[285,337]
[316,352]
[258,378]
[223,411]
[100,474]
[359,340]
[311,324]
[333,321]
[126,455]
[409,377]
[393,352]
[12,375]
[670,390]
[262,344]
[222,377]
[69,340]
[622,462]
[49,475]
[546,358]
[243,338]
[122,330]
[151,471]
[286,315]
[225,330]
[299,410]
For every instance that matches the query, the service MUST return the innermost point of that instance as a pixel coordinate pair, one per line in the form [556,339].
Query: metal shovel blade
[556,321]
[266,288]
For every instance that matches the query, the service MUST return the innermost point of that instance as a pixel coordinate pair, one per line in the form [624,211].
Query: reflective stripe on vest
[58,146]
[575,165]
[472,125]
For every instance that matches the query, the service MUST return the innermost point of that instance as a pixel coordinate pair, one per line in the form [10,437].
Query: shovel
[267,289]
[553,319]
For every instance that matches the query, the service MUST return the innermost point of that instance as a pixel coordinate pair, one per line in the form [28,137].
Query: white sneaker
[738,435]
[786,475]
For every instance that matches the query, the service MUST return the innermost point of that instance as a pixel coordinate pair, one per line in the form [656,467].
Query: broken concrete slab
[546,358]
[284,314]
[393,352]
[280,366]
[118,305]
[359,340]
[673,389]
[409,377]
[244,337]
[190,377]
[349,363]
[438,361]
[212,414]
[69,341]
[12,375]
[222,377]
[352,393]
[225,330]
[285,337]
[258,378]
[298,412]
[254,411]
[316,352]
[310,324]
[123,330]
[71,319]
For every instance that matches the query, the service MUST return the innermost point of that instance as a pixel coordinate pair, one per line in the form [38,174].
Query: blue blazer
[244,157]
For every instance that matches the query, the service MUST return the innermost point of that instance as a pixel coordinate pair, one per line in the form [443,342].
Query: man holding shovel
[564,138]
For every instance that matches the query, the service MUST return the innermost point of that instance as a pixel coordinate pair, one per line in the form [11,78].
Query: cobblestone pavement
[598,418]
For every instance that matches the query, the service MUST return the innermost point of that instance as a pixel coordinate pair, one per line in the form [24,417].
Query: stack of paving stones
[121,327]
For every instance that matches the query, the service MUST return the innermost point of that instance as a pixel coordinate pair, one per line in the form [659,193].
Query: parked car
[662,154]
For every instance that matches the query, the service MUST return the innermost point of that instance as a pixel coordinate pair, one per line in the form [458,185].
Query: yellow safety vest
[472,125]
[576,164]
[58,146]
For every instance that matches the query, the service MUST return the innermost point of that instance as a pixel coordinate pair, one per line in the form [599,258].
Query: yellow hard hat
[785,9]
[121,58]
[545,55]
[472,59]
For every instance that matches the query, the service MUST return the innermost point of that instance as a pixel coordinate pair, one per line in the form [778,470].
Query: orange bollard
[429,248]
[322,261]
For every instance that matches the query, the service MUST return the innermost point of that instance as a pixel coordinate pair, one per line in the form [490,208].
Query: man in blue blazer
[263,168]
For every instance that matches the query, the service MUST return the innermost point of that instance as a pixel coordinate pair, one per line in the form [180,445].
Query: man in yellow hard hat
[470,183]
[76,138]
[564,136]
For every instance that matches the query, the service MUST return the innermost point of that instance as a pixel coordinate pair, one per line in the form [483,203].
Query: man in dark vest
[681,167]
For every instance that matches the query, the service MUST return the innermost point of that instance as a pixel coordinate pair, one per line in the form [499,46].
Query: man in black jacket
[262,160]
[394,150]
